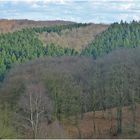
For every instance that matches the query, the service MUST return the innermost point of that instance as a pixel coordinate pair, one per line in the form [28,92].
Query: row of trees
[58,28]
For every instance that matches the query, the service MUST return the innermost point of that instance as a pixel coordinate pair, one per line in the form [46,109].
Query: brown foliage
[76,38]
[12,25]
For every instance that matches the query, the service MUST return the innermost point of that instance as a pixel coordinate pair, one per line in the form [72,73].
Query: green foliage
[18,47]
[64,93]
[53,50]
[58,28]
[72,81]
[6,129]
[24,45]
[117,35]
[76,85]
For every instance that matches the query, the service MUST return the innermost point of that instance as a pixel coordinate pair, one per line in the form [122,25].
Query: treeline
[73,86]
[123,35]
[58,28]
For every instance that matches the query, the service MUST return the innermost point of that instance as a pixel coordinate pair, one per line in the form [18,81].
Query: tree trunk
[134,117]
[94,125]
[119,120]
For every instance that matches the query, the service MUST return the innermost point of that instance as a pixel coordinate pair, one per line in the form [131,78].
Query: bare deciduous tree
[36,107]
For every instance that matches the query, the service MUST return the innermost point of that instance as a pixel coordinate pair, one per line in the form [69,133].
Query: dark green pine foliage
[56,50]
[117,35]
[24,45]
[58,28]
[18,47]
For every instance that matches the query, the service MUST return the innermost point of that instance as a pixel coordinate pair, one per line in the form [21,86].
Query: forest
[53,90]
[25,45]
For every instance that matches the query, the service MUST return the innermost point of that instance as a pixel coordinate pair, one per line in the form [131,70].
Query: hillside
[70,81]
[105,125]
[66,40]
[26,44]
[77,38]
[73,86]
[13,25]
[123,35]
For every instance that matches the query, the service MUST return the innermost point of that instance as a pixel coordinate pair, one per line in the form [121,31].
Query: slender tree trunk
[119,120]
[111,121]
[94,125]
[77,126]
[134,117]
[31,114]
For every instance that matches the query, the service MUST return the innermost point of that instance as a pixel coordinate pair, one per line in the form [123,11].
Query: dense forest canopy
[124,35]
[83,72]
[44,83]
[75,85]
[24,45]
[20,46]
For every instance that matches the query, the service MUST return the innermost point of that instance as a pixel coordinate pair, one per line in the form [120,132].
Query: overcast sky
[97,11]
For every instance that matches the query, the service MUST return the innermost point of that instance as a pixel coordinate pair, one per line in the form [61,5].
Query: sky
[85,11]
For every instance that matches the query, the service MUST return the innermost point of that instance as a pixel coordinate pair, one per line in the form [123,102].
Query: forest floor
[105,125]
